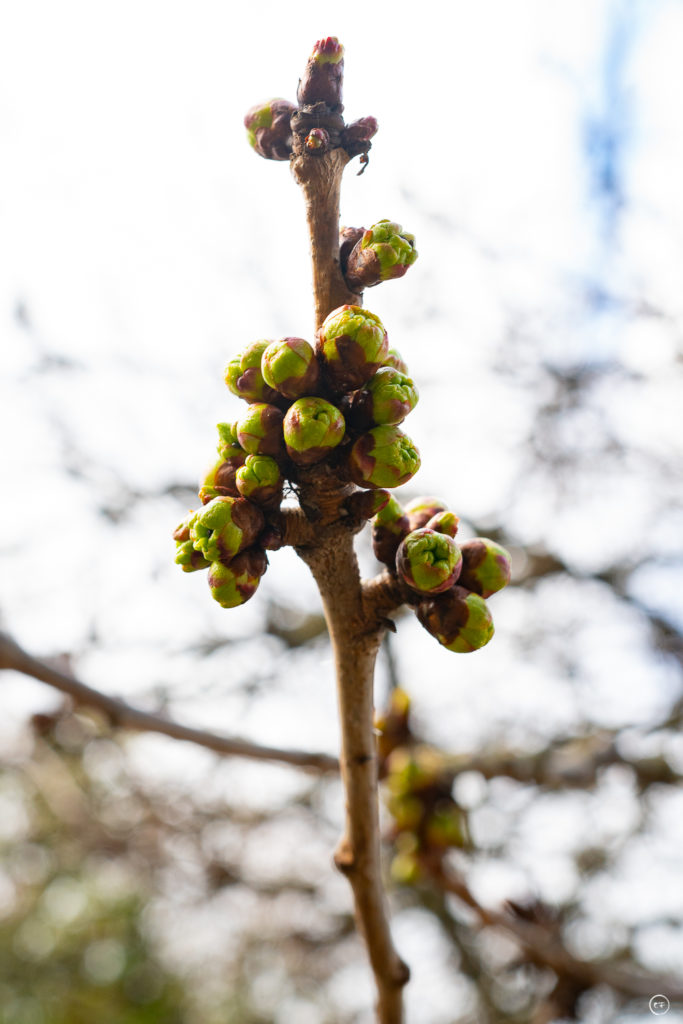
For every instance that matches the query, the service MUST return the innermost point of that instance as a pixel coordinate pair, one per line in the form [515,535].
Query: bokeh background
[535,149]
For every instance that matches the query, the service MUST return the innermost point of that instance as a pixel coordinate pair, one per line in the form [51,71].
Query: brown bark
[355,637]
[320,178]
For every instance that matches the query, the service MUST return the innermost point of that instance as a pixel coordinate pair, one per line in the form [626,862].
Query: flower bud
[260,430]
[406,810]
[486,566]
[444,522]
[353,344]
[366,504]
[459,619]
[290,367]
[393,358]
[224,527]
[384,457]
[447,826]
[228,445]
[392,396]
[220,478]
[385,251]
[355,138]
[260,480]
[428,561]
[389,527]
[322,80]
[421,510]
[347,239]
[189,558]
[317,141]
[312,428]
[182,530]
[268,129]
[244,378]
[235,582]
[405,868]
[411,770]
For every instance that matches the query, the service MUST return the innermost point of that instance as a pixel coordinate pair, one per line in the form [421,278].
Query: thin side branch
[119,713]
[545,948]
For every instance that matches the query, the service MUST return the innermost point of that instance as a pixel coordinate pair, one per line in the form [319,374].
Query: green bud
[228,445]
[405,869]
[389,527]
[459,619]
[410,770]
[260,430]
[406,810]
[260,480]
[244,378]
[486,566]
[384,457]
[189,558]
[312,428]
[353,345]
[182,530]
[394,359]
[220,478]
[224,527]
[234,583]
[447,826]
[444,522]
[421,510]
[268,129]
[385,251]
[392,396]
[428,561]
[290,367]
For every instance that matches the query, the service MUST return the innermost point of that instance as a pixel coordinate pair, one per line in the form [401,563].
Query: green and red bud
[353,344]
[446,826]
[220,478]
[290,367]
[428,561]
[387,398]
[243,374]
[421,510]
[312,429]
[189,558]
[228,446]
[225,527]
[259,431]
[268,129]
[486,566]
[355,138]
[260,480]
[384,252]
[232,584]
[384,457]
[444,522]
[317,141]
[366,504]
[322,80]
[393,358]
[459,619]
[389,527]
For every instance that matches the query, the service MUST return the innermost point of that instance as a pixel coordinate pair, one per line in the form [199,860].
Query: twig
[355,637]
[12,656]
[544,948]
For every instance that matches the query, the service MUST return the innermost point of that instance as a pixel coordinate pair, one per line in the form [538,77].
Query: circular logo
[659,1004]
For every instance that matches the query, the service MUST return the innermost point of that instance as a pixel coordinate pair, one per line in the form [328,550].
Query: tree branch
[12,656]
[545,949]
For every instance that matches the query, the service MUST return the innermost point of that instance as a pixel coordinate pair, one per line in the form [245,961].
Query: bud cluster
[335,402]
[426,820]
[450,582]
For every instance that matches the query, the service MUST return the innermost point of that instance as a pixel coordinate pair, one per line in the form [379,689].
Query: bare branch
[119,713]
[544,947]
